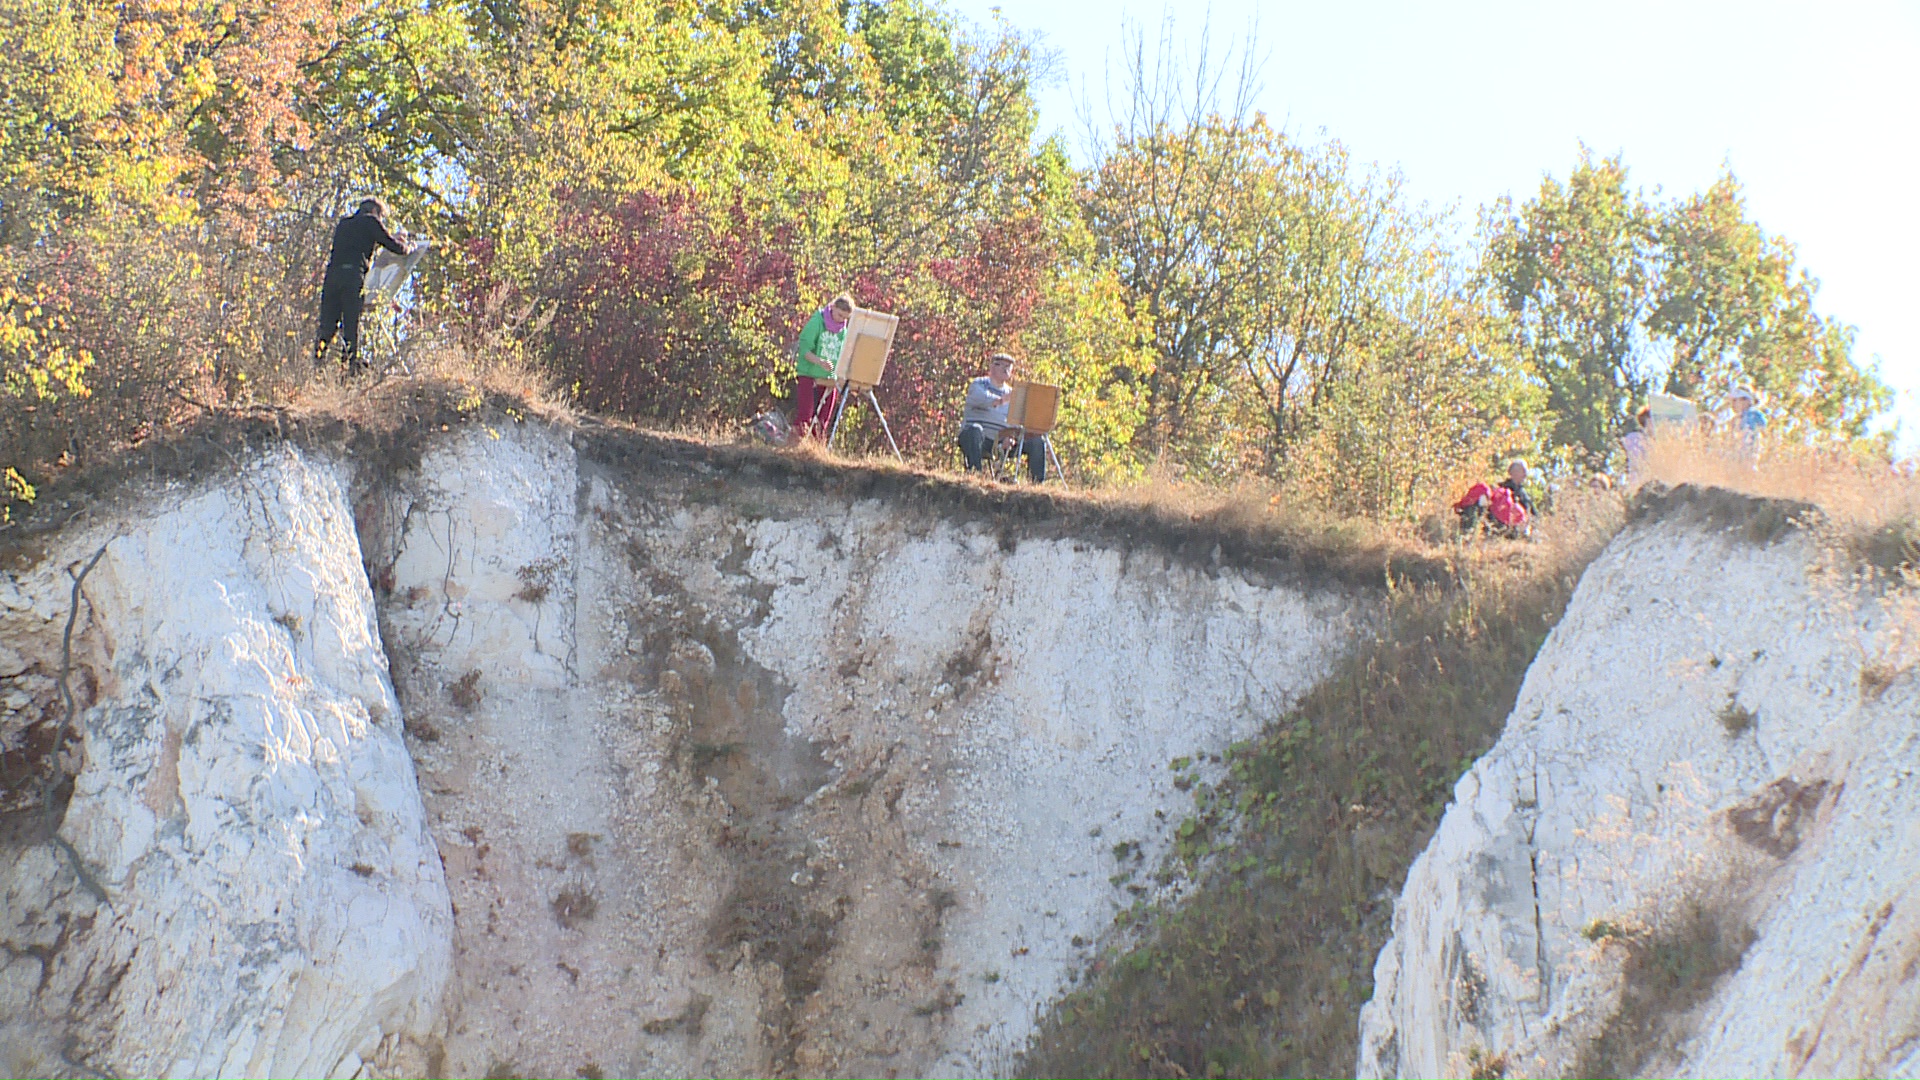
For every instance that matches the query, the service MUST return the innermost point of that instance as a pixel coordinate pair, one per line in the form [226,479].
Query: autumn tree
[1611,294]
[1166,200]
[1346,266]
[1267,271]
[1734,307]
[1573,268]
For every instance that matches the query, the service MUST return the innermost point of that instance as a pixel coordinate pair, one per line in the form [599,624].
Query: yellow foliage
[36,363]
[1084,341]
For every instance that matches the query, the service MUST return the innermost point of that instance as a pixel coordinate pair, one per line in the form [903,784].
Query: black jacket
[355,238]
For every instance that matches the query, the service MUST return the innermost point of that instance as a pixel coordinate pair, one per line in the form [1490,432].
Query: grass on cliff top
[1262,969]
[1871,507]
[1851,489]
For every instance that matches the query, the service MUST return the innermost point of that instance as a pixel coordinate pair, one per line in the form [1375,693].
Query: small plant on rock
[1737,718]
[537,580]
[1604,930]
[1671,967]
[1482,1065]
[574,907]
[465,691]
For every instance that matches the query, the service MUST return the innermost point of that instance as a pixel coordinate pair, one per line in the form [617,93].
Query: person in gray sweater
[983,422]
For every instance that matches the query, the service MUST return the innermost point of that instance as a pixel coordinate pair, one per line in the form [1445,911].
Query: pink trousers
[813,406]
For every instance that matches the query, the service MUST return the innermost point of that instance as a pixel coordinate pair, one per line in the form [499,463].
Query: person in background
[814,357]
[1638,444]
[1745,423]
[1516,482]
[342,290]
[1746,418]
[983,422]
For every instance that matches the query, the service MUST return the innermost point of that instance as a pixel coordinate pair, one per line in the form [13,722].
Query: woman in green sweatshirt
[814,356]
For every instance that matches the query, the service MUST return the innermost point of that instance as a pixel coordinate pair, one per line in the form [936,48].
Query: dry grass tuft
[1669,971]
[383,426]
[1862,496]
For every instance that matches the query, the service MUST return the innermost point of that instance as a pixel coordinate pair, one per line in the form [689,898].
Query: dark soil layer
[1266,546]
[1754,519]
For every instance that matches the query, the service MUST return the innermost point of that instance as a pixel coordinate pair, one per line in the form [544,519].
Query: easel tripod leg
[839,410]
[884,426]
[1058,469]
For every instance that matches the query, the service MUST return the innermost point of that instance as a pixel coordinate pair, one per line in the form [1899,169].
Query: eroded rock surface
[683,768]
[1690,853]
[739,777]
[226,869]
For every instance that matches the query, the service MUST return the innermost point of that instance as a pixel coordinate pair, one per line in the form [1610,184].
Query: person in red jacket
[1516,482]
[1504,507]
[342,290]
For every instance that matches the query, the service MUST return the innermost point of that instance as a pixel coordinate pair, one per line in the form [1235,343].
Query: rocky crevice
[239,880]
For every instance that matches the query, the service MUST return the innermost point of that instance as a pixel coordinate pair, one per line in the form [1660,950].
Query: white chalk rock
[247,806]
[1689,853]
[664,707]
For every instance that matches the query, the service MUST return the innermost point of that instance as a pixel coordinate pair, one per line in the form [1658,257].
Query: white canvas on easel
[388,306]
[1666,410]
[389,271]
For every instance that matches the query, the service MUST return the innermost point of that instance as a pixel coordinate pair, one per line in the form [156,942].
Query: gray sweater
[986,406]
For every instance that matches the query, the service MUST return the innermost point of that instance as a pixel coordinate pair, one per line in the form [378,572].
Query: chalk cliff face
[261,895]
[681,768]
[1691,853]
[735,775]
[568,752]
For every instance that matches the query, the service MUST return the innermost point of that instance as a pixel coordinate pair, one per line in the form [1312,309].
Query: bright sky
[1816,106]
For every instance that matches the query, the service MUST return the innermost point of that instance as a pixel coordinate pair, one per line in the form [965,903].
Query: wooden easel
[863,360]
[1033,411]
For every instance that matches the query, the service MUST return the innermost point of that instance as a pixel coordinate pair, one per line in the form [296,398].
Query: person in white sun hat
[1745,417]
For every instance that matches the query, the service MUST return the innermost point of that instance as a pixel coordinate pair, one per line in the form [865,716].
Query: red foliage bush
[668,311]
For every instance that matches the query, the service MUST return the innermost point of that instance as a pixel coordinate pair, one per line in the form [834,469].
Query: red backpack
[1500,504]
[1505,510]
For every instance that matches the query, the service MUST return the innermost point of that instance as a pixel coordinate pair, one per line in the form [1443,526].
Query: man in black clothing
[354,239]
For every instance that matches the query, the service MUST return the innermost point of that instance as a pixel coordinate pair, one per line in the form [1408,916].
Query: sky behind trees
[1815,107]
